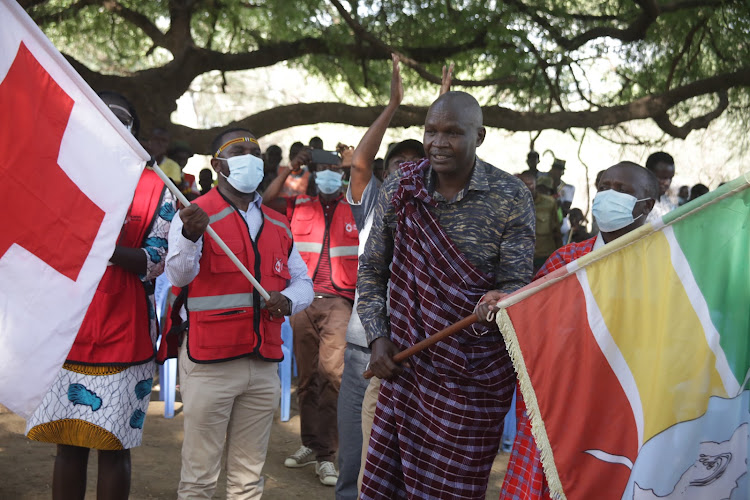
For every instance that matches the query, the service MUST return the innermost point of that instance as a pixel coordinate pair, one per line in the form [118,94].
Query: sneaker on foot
[300,458]
[326,473]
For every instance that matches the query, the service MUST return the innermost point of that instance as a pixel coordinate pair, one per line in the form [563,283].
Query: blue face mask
[614,210]
[328,181]
[245,172]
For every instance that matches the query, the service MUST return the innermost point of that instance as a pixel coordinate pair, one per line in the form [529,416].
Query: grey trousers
[349,416]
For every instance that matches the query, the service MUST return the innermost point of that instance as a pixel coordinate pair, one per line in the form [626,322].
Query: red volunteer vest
[309,230]
[224,311]
[116,328]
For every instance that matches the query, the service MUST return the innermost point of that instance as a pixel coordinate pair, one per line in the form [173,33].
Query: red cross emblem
[46,213]
[279,266]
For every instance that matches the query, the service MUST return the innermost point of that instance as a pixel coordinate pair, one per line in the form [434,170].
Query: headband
[233,141]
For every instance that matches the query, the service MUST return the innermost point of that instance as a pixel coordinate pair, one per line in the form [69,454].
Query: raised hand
[346,153]
[445,85]
[397,87]
[194,222]
[303,157]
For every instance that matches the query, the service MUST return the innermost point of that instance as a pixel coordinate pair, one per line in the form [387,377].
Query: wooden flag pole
[432,339]
[175,191]
[507,301]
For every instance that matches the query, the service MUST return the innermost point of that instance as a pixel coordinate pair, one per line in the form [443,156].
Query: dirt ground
[26,466]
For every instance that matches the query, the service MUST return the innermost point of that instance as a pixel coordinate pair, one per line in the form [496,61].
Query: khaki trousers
[319,346]
[232,402]
[368,416]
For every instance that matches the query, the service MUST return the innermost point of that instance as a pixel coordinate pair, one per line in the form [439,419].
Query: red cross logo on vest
[48,214]
[279,266]
[349,227]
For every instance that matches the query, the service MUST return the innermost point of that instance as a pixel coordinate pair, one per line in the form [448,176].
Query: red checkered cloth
[438,425]
[524,479]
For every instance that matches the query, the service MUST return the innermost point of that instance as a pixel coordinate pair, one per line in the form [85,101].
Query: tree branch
[653,106]
[179,33]
[138,20]
[684,50]
[681,132]
[66,13]
[270,54]
[27,4]
[361,32]
[113,6]
[636,30]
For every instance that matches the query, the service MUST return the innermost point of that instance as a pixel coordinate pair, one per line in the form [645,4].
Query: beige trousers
[232,402]
[368,415]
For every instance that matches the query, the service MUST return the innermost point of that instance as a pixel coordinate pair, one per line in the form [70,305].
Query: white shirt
[183,258]
[661,208]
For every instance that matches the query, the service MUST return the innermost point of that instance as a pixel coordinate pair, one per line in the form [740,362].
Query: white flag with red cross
[68,170]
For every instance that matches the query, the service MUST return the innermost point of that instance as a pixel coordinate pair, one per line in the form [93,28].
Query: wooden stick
[432,339]
[175,191]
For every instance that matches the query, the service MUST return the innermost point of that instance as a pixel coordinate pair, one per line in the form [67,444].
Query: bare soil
[26,466]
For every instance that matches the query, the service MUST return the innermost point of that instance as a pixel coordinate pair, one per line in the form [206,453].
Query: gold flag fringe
[532,405]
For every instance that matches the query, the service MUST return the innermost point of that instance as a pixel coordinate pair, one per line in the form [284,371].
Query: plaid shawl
[438,425]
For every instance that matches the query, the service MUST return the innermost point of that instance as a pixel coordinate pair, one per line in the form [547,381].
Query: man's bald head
[644,181]
[461,102]
[452,132]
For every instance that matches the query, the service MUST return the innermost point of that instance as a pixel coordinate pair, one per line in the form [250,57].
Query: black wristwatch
[289,301]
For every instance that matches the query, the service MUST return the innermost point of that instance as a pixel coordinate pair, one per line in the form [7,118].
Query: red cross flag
[69,169]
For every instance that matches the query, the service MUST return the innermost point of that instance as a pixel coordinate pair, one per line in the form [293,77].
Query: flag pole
[508,301]
[432,339]
[175,191]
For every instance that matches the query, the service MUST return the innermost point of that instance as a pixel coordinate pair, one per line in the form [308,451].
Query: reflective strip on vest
[220,215]
[220,302]
[307,246]
[300,201]
[342,251]
[280,224]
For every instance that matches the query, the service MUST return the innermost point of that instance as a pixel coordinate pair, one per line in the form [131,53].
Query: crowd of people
[366,257]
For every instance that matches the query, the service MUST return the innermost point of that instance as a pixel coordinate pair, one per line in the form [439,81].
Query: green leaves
[543,56]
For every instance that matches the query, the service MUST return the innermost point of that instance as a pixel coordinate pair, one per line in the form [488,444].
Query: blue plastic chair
[168,382]
[167,371]
[285,369]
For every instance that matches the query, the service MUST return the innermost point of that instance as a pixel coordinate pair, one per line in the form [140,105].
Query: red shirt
[322,279]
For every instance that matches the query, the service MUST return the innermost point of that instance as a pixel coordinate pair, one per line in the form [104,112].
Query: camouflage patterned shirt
[491,221]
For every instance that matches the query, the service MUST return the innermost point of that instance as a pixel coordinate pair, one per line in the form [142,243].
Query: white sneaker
[326,473]
[300,458]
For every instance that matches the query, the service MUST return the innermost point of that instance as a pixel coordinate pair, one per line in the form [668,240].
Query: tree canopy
[532,64]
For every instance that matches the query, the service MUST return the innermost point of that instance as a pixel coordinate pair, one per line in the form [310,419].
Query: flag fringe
[532,405]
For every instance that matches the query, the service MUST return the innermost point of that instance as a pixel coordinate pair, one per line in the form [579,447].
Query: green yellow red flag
[633,360]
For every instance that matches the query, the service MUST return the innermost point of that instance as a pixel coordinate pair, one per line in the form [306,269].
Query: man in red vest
[326,235]
[228,375]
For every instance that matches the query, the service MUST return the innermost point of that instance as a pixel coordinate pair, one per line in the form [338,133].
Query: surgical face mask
[614,210]
[328,181]
[245,172]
